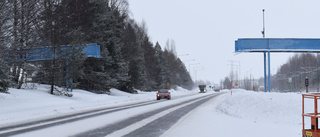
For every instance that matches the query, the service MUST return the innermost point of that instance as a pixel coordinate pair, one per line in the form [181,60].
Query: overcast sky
[207,29]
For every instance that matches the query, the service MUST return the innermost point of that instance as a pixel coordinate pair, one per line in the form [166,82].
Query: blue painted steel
[269,76]
[92,50]
[46,53]
[277,45]
[68,80]
[265,72]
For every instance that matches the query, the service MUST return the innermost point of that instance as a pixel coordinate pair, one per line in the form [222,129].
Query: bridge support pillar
[265,72]
[269,75]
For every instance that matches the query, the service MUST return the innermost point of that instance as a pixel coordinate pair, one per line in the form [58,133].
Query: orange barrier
[314,131]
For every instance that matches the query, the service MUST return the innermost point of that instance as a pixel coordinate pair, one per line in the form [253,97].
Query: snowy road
[242,113]
[147,118]
[40,124]
[153,123]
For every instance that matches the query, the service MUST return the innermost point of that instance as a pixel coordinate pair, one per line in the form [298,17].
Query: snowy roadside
[244,113]
[22,106]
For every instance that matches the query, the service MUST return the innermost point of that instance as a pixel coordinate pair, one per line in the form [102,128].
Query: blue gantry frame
[277,45]
[267,45]
[46,53]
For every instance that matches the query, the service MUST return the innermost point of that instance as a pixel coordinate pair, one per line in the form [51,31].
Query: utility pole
[263,31]
[265,60]
[238,76]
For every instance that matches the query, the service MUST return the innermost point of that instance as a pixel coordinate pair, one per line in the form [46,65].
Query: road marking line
[146,121]
[63,119]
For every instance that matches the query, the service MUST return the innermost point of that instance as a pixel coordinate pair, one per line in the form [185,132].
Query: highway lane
[153,123]
[45,123]
[158,115]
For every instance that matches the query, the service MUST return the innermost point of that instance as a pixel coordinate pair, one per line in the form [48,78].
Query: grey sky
[207,29]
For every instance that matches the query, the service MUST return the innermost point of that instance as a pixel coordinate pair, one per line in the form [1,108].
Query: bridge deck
[277,45]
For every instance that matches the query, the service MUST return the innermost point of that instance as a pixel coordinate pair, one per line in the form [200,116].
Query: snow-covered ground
[28,105]
[242,113]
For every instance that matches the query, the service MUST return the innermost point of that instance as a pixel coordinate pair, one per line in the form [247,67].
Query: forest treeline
[129,60]
[291,75]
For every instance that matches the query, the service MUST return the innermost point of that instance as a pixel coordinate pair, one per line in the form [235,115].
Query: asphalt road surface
[148,123]
[152,129]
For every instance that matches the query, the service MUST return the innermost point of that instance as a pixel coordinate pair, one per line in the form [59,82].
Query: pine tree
[185,78]
[4,70]
[5,15]
[119,68]
[179,75]
[4,75]
[46,73]
[110,70]
[140,70]
[162,68]
[150,63]
[19,18]
[97,78]
[133,54]
[62,29]
[75,59]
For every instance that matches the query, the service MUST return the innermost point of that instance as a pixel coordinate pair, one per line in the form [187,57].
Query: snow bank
[244,113]
[247,113]
[264,107]
[28,105]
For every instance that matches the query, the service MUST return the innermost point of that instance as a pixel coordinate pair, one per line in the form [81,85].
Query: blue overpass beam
[277,45]
[267,45]
[45,53]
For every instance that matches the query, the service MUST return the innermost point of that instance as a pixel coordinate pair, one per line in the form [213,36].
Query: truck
[202,88]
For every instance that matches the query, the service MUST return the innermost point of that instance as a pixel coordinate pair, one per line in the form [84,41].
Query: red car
[163,94]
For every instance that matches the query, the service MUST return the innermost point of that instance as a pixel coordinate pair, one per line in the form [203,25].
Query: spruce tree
[119,68]
[110,71]
[4,76]
[133,54]
[4,70]
[75,59]
[150,63]
[162,68]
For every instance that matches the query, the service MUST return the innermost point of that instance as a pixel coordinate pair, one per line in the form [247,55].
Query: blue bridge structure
[47,53]
[267,45]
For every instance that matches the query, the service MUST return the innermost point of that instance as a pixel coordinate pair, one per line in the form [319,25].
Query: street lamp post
[192,64]
[188,60]
[239,70]
[263,31]
[195,69]
[239,73]
[183,55]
